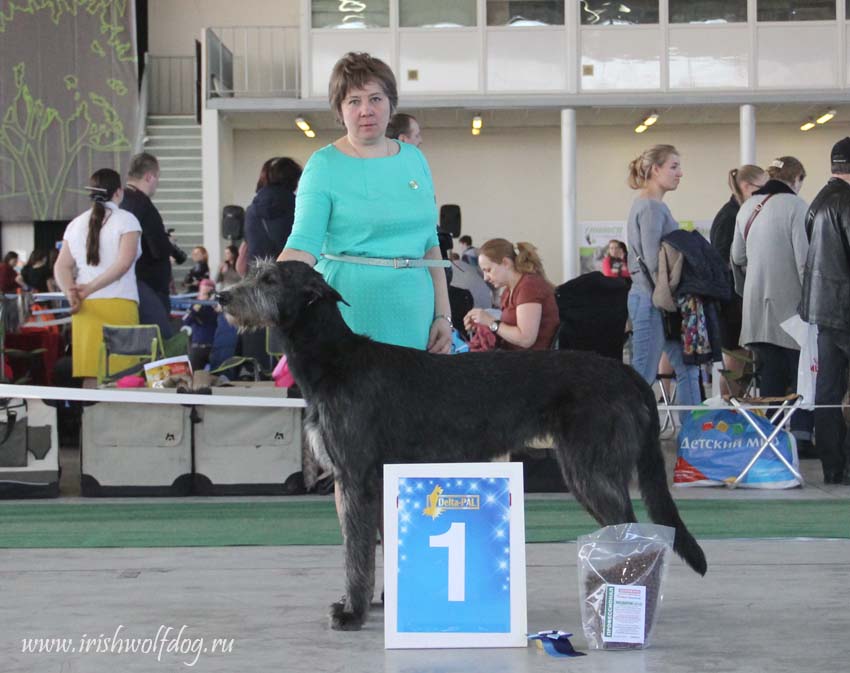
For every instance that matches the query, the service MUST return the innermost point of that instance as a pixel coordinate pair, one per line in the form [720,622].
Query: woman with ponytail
[743,182]
[96,271]
[529,317]
[655,172]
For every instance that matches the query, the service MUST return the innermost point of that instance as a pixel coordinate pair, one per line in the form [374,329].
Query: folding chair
[746,379]
[668,399]
[274,343]
[780,419]
[31,356]
[143,342]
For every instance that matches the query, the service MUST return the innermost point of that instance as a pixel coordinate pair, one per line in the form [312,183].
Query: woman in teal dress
[366,216]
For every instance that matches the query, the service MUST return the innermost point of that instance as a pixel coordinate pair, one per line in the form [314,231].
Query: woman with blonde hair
[743,182]
[96,271]
[655,172]
[529,316]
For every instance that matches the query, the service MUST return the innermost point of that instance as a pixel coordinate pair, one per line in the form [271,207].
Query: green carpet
[221,523]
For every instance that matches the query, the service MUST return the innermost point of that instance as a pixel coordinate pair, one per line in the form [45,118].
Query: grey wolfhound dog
[370,403]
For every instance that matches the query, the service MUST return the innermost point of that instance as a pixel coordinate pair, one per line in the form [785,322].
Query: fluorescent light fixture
[650,120]
[476,132]
[640,128]
[477,123]
[310,133]
[808,126]
[302,124]
[825,117]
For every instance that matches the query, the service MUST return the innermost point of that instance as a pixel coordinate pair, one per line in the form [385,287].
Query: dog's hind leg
[599,484]
[359,522]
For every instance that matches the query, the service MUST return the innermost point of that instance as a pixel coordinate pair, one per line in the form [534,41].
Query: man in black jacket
[153,268]
[825,303]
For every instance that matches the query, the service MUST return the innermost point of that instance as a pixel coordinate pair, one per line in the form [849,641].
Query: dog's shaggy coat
[371,403]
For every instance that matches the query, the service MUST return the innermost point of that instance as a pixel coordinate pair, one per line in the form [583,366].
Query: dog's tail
[652,478]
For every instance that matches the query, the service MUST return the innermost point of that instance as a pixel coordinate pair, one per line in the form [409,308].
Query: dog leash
[395,262]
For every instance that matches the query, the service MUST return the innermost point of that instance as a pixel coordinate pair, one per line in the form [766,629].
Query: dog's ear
[317,289]
[312,285]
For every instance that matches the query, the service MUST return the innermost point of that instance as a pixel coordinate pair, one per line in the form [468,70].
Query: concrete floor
[765,605]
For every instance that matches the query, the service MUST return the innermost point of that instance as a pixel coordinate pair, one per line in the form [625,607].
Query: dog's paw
[341,620]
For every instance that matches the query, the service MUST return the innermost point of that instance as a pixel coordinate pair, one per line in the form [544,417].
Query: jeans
[776,368]
[830,429]
[648,343]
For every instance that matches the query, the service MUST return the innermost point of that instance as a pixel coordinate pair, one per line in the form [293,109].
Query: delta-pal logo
[439,502]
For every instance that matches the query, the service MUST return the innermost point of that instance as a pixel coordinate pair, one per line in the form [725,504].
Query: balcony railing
[253,61]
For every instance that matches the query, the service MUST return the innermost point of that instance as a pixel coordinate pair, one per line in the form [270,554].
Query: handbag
[13,434]
[670,320]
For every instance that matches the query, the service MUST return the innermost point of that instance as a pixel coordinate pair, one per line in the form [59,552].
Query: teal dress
[382,207]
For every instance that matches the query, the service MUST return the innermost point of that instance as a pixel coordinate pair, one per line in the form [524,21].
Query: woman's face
[197,255]
[228,255]
[497,274]
[366,113]
[668,174]
[615,250]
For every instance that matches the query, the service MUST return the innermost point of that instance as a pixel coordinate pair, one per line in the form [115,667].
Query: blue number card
[454,555]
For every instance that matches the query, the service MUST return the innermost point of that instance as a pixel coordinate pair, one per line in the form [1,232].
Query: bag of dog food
[620,572]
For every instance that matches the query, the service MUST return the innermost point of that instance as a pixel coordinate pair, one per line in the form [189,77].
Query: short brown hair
[141,164]
[354,71]
[399,125]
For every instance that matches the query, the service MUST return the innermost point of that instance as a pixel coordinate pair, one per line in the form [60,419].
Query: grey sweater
[648,221]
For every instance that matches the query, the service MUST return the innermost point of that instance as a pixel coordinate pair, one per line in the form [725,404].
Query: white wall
[174,25]
[507,181]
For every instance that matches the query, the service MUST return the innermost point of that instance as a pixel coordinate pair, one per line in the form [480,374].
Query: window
[608,12]
[708,11]
[350,13]
[436,13]
[525,12]
[796,10]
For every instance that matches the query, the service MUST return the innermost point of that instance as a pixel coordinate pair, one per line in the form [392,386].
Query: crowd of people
[367,200]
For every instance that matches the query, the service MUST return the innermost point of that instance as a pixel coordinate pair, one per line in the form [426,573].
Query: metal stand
[783,415]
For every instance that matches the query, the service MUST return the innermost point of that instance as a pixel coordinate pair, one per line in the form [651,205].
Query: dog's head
[275,294]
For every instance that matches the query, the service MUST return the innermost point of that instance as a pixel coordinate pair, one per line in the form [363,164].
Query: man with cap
[826,303]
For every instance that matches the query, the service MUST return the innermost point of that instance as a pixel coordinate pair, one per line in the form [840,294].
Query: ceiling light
[650,120]
[302,124]
[476,132]
[825,117]
[808,126]
[640,128]
[477,123]
[310,133]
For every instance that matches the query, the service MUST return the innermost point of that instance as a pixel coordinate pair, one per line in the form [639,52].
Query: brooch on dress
[413,184]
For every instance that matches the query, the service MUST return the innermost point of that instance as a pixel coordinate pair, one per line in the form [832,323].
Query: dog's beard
[250,311]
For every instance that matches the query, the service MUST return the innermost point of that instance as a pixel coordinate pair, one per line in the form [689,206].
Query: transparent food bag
[620,572]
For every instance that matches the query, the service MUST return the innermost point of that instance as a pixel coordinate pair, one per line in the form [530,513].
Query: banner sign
[454,555]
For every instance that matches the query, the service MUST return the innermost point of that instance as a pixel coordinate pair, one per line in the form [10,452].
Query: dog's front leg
[359,522]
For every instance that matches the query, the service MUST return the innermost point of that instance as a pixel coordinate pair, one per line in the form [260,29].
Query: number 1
[455,540]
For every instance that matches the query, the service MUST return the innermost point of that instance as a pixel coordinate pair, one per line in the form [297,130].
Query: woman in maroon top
[529,317]
[8,284]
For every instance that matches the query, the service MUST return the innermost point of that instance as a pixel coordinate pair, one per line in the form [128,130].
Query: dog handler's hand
[440,338]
